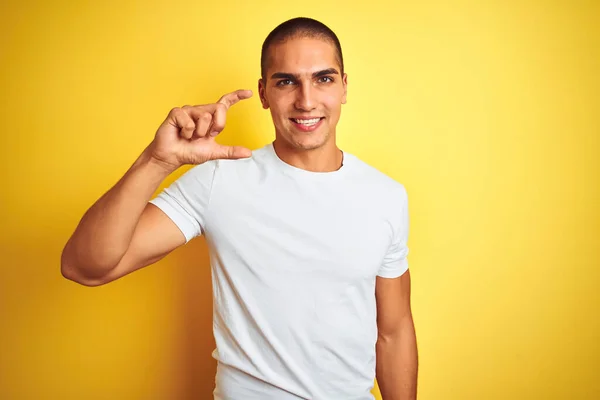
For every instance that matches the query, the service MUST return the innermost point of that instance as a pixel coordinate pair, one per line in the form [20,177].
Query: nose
[305,97]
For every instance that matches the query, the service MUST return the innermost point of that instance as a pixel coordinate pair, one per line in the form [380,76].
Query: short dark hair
[300,27]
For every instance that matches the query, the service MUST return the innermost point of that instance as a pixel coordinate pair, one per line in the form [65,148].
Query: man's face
[304,90]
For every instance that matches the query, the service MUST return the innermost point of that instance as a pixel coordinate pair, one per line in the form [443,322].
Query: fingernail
[214,133]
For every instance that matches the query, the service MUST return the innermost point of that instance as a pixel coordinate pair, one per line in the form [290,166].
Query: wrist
[156,164]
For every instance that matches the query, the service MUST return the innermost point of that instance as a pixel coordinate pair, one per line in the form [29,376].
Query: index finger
[230,99]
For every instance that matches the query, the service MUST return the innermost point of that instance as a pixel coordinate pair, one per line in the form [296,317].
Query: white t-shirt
[294,257]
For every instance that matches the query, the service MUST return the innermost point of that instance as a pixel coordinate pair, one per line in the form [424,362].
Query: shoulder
[376,181]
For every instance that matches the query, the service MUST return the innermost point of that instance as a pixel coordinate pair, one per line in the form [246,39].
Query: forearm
[104,233]
[397,364]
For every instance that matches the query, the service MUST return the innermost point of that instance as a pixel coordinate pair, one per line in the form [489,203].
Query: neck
[327,158]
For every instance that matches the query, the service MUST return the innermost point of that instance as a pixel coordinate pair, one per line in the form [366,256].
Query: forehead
[302,55]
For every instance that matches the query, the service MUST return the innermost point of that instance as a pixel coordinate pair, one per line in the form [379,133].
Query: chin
[307,142]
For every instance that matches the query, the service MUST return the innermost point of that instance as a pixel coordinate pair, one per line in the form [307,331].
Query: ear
[345,84]
[261,94]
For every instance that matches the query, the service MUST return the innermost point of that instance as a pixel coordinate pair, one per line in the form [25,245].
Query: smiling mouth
[307,122]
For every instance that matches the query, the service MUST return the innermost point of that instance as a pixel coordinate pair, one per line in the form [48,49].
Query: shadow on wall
[195,368]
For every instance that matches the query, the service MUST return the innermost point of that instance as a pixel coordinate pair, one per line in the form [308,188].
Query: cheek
[280,109]
[278,113]
[333,100]
[333,105]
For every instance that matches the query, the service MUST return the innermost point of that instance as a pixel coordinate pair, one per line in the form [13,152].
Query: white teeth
[307,122]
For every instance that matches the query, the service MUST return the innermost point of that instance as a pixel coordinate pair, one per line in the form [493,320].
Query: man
[307,243]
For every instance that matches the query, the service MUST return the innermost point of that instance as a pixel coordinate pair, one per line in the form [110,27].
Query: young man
[307,243]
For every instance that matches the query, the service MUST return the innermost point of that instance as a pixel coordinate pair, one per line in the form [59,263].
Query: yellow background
[486,111]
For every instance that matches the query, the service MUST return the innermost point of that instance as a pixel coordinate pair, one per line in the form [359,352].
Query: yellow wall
[485,111]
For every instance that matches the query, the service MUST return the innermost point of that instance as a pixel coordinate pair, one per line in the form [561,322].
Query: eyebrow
[318,74]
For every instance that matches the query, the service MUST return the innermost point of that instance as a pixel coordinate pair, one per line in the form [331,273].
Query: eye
[284,82]
[325,79]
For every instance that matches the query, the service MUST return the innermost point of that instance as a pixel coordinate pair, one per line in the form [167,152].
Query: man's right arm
[123,231]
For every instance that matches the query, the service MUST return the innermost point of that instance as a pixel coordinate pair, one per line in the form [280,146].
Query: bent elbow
[72,274]
[80,280]
[76,274]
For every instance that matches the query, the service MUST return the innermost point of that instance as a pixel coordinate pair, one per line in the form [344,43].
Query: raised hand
[187,136]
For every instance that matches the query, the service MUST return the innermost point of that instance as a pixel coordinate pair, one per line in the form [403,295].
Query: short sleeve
[395,262]
[186,200]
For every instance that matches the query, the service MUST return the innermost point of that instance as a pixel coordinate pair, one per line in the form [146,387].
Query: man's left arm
[397,358]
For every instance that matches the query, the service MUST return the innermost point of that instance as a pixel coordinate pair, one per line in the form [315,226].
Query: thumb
[231,152]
